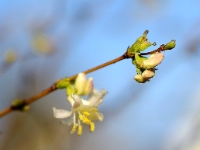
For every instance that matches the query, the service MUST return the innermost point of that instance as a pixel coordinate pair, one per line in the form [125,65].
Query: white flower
[83,111]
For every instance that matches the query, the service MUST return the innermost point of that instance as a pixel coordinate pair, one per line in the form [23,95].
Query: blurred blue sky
[82,34]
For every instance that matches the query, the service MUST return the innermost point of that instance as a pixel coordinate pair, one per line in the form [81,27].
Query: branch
[161,48]
[53,87]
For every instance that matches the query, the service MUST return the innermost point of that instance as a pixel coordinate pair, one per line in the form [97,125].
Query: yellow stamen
[84,119]
[74,128]
[80,116]
[92,126]
[86,113]
[80,130]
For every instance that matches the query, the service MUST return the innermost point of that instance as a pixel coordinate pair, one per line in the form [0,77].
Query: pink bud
[153,60]
[88,86]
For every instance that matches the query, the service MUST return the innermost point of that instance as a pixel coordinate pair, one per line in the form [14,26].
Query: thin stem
[53,86]
[161,48]
[40,95]
[101,66]
[5,111]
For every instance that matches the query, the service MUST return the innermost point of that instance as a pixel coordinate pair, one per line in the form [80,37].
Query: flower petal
[61,113]
[96,116]
[95,98]
[80,83]
[77,101]
[100,116]
[69,98]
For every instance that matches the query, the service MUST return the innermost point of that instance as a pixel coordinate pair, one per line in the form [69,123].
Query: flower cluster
[82,111]
[145,67]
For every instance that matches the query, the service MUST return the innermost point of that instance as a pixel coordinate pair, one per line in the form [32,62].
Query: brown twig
[53,87]
[161,48]
[102,65]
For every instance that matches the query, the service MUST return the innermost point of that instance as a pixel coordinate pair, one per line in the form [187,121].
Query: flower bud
[18,104]
[153,60]
[80,83]
[170,45]
[139,78]
[88,86]
[149,73]
[63,83]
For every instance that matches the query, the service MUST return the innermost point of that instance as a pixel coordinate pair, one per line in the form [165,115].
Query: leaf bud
[170,45]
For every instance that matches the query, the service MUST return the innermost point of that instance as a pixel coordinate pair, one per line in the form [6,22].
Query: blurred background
[42,41]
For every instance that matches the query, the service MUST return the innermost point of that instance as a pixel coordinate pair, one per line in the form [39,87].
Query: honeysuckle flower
[83,111]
